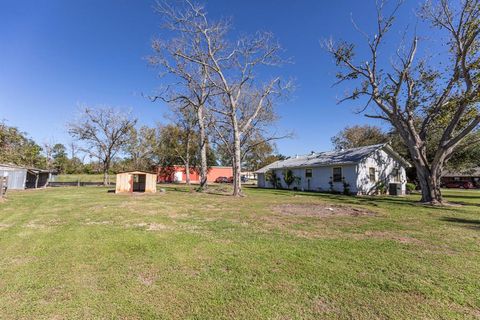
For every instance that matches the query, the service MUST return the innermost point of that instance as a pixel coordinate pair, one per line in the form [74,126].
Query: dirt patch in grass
[320,306]
[320,210]
[391,236]
[95,223]
[4,226]
[149,226]
[35,225]
[147,278]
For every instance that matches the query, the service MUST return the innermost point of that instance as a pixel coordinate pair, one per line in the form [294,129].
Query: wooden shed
[136,181]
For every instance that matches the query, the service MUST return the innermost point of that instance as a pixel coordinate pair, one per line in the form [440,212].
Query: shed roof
[11,165]
[137,172]
[327,158]
[30,169]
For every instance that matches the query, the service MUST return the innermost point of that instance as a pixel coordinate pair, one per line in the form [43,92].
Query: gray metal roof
[6,166]
[327,158]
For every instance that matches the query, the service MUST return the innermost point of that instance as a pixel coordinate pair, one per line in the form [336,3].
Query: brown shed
[136,181]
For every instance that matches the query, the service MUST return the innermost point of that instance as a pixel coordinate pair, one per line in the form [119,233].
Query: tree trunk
[203,150]
[429,180]
[187,162]
[106,166]
[428,175]
[237,170]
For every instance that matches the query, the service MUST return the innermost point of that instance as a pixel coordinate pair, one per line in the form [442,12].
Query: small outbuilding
[136,181]
[20,178]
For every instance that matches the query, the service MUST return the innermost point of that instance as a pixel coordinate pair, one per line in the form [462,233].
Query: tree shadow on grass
[356,200]
[473,194]
[463,203]
[467,223]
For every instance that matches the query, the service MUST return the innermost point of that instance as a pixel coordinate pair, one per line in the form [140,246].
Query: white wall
[356,175]
[261,180]
[384,164]
[318,182]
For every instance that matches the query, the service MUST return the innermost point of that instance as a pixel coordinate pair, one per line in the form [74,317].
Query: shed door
[139,182]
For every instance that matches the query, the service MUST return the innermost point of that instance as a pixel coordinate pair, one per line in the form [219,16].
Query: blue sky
[58,55]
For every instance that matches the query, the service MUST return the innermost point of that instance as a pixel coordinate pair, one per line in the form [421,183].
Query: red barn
[178,174]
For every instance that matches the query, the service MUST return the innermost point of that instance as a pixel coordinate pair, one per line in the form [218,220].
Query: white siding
[384,165]
[261,180]
[318,182]
[356,175]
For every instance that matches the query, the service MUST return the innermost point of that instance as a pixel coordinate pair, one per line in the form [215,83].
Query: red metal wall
[165,174]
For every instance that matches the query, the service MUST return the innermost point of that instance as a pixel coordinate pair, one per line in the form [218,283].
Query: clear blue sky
[56,55]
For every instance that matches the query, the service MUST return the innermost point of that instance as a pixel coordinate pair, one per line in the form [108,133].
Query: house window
[308,173]
[396,175]
[337,174]
[371,174]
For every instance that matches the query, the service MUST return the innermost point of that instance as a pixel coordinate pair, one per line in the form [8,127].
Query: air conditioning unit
[395,189]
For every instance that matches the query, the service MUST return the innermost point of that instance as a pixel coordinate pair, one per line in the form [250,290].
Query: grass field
[84,253]
[82,178]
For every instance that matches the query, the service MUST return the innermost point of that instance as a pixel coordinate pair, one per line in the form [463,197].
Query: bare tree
[417,97]
[178,57]
[47,147]
[231,68]
[140,148]
[105,131]
[73,149]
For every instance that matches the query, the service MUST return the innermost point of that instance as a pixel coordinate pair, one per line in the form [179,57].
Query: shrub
[346,187]
[290,178]
[411,187]
[330,182]
[381,188]
[271,177]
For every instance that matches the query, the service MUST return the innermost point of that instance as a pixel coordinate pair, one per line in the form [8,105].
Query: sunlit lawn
[84,253]
[82,178]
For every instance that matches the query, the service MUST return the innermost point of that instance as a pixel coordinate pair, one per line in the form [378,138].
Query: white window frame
[311,173]
[333,174]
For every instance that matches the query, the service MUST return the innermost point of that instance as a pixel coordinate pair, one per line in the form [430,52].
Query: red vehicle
[460,184]
[230,180]
[221,180]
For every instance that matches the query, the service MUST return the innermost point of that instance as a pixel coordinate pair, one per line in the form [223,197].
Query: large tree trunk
[187,172]
[429,184]
[428,174]
[237,159]
[203,150]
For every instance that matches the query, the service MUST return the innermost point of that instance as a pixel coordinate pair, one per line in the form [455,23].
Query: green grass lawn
[84,253]
[82,178]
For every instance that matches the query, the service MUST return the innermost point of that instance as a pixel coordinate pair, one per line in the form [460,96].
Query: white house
[362,170]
